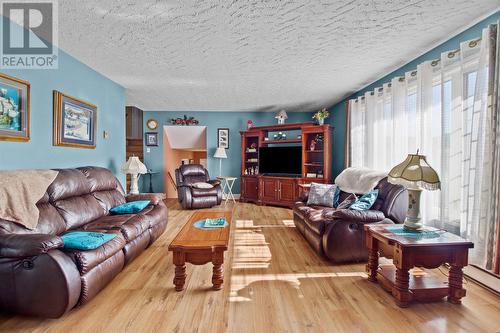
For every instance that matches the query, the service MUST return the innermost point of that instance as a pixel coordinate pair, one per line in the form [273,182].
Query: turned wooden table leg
[372,266]
[400,290]
[180,270]
[455,290]
[218,270]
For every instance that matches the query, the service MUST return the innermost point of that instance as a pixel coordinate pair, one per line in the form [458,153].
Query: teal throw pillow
[336,197]
[83,240]
[366,201]
[131,207]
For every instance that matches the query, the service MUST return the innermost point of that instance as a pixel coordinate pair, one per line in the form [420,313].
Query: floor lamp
[220,153]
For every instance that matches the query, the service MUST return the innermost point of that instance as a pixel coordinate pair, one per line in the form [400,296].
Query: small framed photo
[14,109]
[75,122]
[151,139]
[223,138]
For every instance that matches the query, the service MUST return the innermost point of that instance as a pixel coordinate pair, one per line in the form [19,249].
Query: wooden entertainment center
[283,190]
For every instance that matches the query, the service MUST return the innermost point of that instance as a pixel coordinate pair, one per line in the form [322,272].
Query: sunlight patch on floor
[251,254]
[241,281]
[244,224]
[250,249]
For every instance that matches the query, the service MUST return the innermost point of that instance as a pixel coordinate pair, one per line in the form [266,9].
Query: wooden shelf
[282,141]
[314,164]
[431,286]
[282,127]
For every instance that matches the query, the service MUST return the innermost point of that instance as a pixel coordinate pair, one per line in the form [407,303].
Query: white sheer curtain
[444,109]
[480,159]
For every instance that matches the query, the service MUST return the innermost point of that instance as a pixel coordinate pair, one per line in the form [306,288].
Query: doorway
[182,145]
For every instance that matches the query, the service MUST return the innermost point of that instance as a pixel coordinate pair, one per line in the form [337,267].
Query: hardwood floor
[273,283]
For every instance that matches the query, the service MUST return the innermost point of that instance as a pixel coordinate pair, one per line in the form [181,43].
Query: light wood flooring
[274,282]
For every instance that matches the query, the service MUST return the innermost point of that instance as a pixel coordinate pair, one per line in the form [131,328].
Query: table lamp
[415,174]
[134,167]
[220,153]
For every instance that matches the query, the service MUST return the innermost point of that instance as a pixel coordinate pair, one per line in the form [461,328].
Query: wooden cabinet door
[268,189]
[250,188]
[286,190]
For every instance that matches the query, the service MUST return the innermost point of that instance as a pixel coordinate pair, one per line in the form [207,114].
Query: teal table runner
[421,234]
[201,225]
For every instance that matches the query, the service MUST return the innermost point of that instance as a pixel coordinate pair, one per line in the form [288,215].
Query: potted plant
[321,115]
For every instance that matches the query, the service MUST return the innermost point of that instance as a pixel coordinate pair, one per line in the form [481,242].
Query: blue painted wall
[75,79]
[338,111]
[235,121]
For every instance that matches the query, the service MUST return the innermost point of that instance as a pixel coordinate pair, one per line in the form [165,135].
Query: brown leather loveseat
[39,278]
[338,233]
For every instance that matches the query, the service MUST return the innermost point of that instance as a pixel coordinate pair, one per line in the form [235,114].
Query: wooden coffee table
[429,250]
[200,246]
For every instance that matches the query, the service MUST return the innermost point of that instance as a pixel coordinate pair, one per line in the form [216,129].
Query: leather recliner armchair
[338,234]
[191,197]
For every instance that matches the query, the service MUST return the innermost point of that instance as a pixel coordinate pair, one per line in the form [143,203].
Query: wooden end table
[430,249]
[201,246]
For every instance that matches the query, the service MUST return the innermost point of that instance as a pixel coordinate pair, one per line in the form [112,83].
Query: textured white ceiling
[254,55]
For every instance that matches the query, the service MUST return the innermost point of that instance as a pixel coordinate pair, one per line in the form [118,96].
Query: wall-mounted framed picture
[151,139]
[223,138]
[14,109]
[75,122]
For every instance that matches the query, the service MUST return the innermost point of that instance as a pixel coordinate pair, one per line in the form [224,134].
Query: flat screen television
[285,161]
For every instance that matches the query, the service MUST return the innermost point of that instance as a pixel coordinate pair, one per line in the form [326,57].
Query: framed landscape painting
[75,122]
[14,109]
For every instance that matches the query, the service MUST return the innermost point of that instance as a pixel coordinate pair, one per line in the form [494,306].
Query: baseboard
[484,278]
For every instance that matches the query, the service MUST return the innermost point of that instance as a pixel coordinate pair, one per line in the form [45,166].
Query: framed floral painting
[75,122]
[14,109]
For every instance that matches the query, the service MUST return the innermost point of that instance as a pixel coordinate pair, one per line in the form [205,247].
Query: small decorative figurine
[249,124]
[281,116]
[312,147]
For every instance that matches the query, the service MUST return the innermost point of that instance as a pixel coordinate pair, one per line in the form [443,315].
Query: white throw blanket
[359,180]
[20,190]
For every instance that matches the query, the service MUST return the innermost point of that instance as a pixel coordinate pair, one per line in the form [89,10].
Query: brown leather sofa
[194,198]
[338,233]
[39,278]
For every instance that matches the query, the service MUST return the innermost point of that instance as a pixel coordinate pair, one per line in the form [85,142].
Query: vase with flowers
[321,115]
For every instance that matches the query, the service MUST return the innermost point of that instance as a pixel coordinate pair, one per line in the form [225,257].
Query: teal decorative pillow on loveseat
[82,240]
[131,207]
[366,201]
